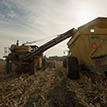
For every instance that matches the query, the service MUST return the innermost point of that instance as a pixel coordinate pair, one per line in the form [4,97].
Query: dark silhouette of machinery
[30,57]
[87,46]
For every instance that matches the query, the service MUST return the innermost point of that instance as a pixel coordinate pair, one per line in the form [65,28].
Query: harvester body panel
[89,44]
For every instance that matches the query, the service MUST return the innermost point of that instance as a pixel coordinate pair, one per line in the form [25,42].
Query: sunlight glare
[85,16]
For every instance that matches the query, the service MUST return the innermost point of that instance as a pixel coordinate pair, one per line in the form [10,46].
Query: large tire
[8,66]
[44,64]
[32,68]
[73,68]
[105,73]
[65,63]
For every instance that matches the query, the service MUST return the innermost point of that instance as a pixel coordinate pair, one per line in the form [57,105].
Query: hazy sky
[29,20]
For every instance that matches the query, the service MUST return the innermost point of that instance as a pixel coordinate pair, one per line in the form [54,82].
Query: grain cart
[88,47]
[28,58]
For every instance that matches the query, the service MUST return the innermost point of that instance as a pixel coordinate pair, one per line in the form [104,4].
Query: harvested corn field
[52,88]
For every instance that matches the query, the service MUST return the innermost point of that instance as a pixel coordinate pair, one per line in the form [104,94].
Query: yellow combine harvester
[30,58]
[88,48]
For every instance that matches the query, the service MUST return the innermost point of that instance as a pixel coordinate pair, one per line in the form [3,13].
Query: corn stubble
[52,88]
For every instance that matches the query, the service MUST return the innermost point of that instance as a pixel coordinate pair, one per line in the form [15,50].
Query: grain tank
[88,48]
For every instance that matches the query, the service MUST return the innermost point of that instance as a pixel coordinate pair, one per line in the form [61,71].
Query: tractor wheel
[32,68]
[65,63]
[73,68]
[105,73]
[44,64]
[8,66]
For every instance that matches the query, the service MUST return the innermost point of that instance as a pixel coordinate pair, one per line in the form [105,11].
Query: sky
[29,20]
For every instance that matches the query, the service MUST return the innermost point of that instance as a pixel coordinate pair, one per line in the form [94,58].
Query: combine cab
[88,48]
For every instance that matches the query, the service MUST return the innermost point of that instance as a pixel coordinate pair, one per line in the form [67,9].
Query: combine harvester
[88,50]
[30,58]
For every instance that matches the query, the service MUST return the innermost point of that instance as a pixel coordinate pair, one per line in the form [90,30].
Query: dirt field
[51,88]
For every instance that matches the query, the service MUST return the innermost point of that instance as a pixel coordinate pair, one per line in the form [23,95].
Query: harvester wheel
[73,68]
[8,66]
[44,64]
[65,63]
[32,68]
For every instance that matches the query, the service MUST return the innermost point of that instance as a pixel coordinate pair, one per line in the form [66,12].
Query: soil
[52,88]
